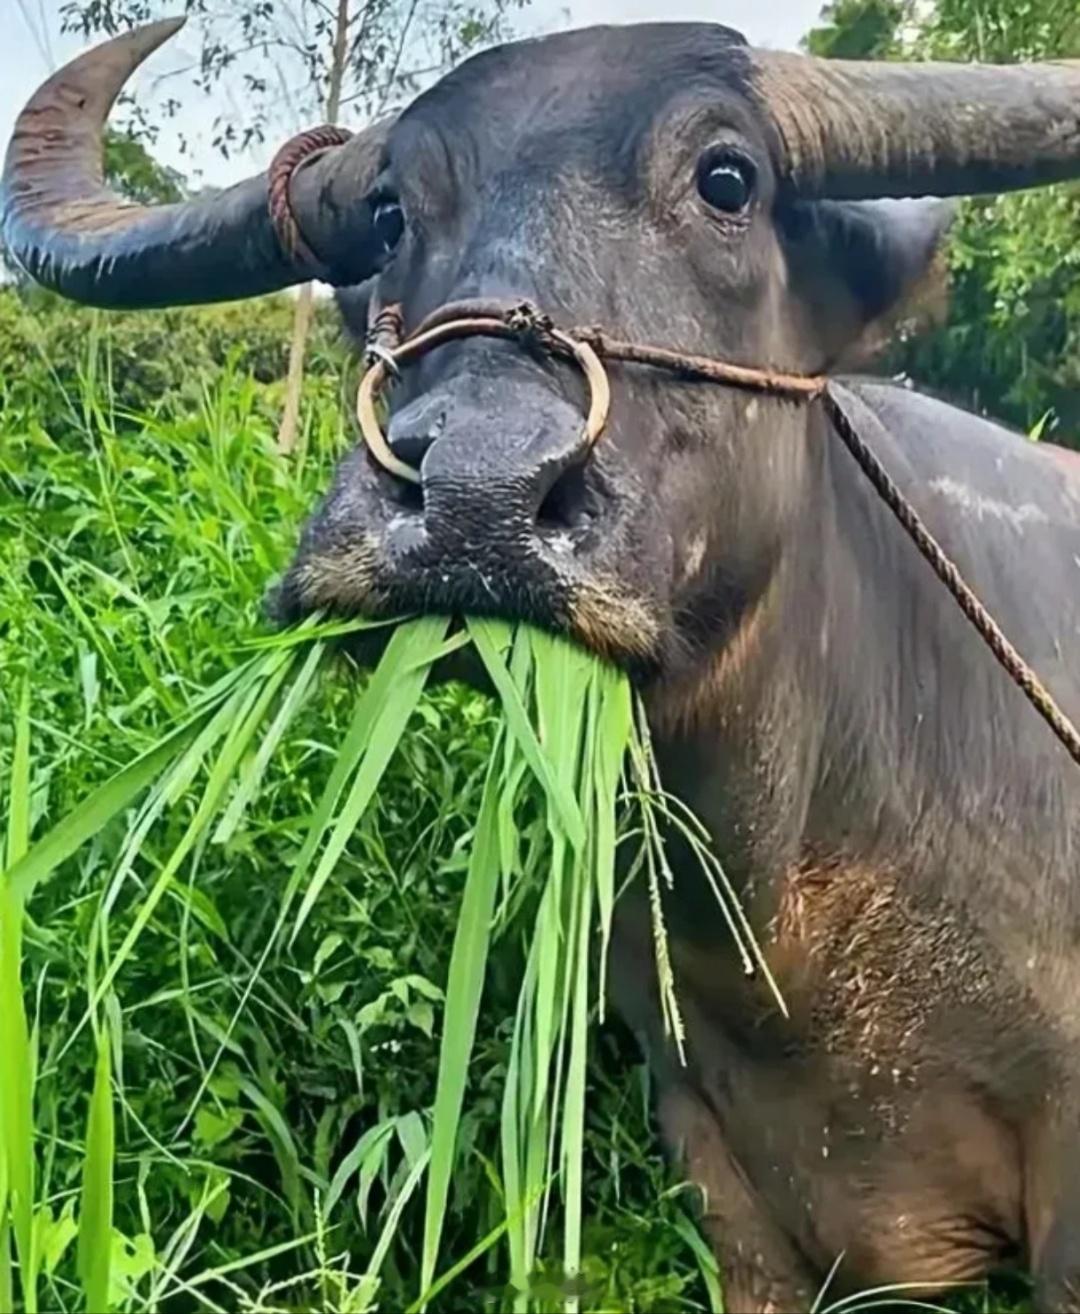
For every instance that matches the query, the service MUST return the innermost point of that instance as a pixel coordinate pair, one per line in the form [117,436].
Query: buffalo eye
[389,224]
[726,181]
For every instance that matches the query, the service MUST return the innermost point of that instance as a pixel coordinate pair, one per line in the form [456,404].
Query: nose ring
[519,323]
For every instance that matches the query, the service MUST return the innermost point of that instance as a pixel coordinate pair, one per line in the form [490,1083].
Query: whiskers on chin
[614,622]
[600,613]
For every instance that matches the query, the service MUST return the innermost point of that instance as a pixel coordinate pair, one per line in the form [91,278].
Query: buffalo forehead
[587,97]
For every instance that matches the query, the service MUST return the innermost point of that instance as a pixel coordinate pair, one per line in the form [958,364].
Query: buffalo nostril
[412,430]
[410,447]
[410,439]
[568,503]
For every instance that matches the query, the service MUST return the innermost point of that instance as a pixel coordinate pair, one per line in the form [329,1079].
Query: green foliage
[50,354]
[1002,31]
[132,171]
[1011,344]
[859,29]
[267,1115]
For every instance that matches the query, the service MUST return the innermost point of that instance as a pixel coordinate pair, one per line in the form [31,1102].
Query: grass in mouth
[571,778]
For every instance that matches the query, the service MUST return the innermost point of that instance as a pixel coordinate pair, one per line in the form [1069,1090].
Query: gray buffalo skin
[903,829]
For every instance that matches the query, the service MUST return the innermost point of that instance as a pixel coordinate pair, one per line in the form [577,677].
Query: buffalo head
[667,182]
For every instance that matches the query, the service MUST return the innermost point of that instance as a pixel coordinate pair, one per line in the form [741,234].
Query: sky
[32,45]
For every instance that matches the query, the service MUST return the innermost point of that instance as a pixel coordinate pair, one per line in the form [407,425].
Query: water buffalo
[904,831]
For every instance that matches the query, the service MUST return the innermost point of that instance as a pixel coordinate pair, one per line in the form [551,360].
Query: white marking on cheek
[695,555]
[752,410]
[977,504]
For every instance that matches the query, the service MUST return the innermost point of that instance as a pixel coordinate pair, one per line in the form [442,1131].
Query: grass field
[138,550]
[269,1124]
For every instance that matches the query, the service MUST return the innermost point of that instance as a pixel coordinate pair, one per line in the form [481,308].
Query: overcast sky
[31,45]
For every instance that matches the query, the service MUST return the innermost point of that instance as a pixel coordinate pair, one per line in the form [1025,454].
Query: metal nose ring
[518,323]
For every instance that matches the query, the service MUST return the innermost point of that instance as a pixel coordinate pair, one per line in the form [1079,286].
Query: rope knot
[528,321]
[384,337]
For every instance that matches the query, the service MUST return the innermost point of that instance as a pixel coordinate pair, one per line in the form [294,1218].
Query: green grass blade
[421,642]
[237,720]
[706,1261]
[95,1214]
[614,722]
[563,675]
[180,1243]
[252,776]
[95,813]
[455,1270]
[16,1095]
[585,882]
[283,1143]
[368,711]
[415,639]
[573,1115]
[510,1134]
[368,1144]
[18,828]
[17,1067]
[393,1218]
[7,1283]
[464,987]
[486,636]
[219,1271]
[313,630]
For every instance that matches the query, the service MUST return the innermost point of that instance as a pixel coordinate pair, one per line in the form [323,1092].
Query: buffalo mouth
[379,549]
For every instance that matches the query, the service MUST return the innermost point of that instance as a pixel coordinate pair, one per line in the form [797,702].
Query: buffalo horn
[70,232]
[856,131]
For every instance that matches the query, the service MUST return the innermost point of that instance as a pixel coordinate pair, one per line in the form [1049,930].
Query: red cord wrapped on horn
[304,146]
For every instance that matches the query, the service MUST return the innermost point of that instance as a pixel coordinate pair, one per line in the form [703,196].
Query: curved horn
[854,131]
[71,233]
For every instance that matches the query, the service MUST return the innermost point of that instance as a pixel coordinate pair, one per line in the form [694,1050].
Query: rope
[279,203]
[388,352]
[948,572]
[797,387]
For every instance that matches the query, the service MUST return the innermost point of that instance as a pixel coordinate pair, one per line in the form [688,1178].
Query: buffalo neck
[852,715]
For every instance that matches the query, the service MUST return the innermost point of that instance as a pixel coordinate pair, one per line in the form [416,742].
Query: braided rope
[282,167]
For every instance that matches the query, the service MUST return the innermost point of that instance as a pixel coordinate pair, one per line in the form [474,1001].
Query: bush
[47,344]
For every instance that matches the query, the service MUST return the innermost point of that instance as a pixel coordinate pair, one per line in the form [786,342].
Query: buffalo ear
[885,260]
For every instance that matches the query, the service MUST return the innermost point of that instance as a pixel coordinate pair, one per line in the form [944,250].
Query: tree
[859,29]
[300,62]
[1012,341]
[132,171]
[290,418]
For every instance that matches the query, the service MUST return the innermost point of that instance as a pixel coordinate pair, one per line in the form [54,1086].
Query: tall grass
[566,727]
[225,986]
[17,1161]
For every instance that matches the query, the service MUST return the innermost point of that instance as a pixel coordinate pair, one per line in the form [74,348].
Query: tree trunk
[294,386]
